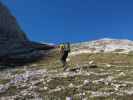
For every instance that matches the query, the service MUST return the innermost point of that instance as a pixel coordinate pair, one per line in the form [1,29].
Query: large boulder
[15,47]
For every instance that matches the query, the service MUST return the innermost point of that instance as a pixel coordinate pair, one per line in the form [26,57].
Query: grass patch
[110,58]
[4,81]
[18,71]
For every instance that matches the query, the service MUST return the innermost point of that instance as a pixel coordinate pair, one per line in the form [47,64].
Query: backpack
[67,47]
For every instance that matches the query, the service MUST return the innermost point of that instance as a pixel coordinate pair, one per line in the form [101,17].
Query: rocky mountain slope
[90,76]
[103,45]
[97,70]
[14,44]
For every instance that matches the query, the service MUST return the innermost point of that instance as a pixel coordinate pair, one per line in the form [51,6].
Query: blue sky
[58,21]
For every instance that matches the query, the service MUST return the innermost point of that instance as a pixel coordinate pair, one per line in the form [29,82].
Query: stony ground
[81,81]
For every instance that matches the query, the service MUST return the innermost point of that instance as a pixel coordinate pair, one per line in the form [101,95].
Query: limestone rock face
[14,45]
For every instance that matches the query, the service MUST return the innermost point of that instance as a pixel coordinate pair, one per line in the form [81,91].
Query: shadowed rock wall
[14,45]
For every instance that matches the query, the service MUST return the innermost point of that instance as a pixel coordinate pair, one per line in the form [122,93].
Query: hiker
[64,50]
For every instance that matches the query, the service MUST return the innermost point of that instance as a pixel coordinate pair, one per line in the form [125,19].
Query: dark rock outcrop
[15,47]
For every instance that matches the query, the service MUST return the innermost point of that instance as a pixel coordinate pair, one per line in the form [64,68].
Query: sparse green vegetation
[111,79]
[109,58]
[122,62]
[18,71]
[4,81]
